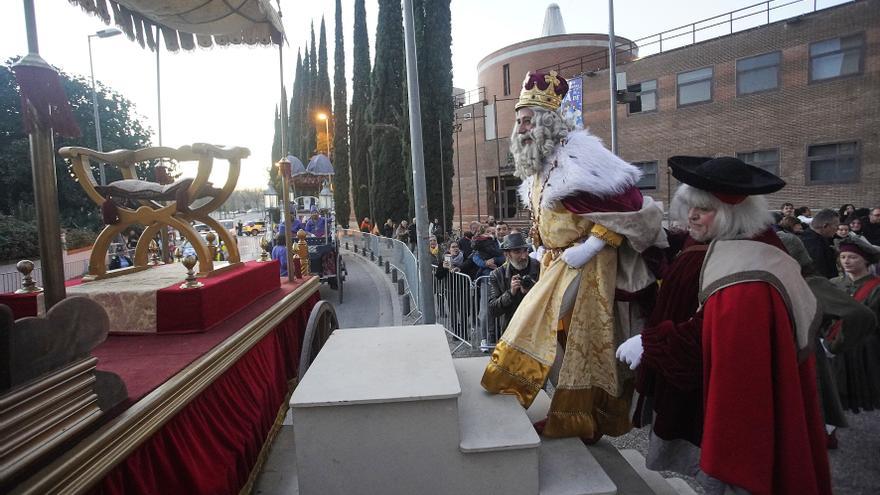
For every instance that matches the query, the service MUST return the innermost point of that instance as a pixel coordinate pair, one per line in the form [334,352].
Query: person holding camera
[510,282]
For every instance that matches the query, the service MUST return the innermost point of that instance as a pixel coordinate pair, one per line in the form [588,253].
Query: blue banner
[573,104]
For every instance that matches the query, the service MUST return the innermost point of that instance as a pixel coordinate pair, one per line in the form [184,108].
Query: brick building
[800,97]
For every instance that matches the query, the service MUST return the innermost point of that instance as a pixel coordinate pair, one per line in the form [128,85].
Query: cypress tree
[435,87]
[314,101]
[294,115]
[386,111]
[340,125]
[307,129]
[274,178]
[360,116]
[324,102]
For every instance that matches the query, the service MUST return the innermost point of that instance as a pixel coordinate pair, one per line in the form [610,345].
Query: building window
[647,93]
[757,74]
[832,163]
[506,75]
[649,175]
[695,86]
[838,57]
[765,159]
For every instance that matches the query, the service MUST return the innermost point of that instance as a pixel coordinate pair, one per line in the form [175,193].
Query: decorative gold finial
[191,283]
[153,248]
[28,286]
[178,254]
[303,251]
[211,237]
[264,245]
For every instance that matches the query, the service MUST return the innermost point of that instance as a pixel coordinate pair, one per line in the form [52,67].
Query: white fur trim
[583,165]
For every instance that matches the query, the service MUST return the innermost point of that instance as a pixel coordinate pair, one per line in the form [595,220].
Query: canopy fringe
[138,25]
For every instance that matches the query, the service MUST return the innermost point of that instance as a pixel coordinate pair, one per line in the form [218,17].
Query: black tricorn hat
[514,241]
[724,175]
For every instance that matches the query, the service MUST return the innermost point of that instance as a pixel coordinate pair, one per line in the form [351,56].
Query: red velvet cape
[762,428]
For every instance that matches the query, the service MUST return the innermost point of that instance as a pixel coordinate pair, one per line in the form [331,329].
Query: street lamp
[323,116]
[104,33]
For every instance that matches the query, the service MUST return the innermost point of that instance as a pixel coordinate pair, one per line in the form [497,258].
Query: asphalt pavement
[369,298]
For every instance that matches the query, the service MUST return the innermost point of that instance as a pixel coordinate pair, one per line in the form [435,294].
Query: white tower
[553,21]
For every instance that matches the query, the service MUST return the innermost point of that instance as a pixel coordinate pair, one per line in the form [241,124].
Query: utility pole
[426,299]
[612,75]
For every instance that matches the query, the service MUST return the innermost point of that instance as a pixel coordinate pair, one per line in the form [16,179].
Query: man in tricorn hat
[590,223]
[725,366]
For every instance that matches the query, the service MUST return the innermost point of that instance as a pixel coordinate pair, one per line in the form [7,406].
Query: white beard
[519,265]
[528,158]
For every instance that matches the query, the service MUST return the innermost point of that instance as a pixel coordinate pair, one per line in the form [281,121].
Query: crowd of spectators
[821,234]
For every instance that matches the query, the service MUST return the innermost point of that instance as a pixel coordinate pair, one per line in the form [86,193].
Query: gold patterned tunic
[594,391]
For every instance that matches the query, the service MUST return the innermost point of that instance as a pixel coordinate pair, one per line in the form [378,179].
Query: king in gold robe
[582,195]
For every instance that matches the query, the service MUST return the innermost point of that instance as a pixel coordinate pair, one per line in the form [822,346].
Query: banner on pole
[573,104]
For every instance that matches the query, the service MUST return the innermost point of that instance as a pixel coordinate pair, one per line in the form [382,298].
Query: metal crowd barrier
[461,304]
[396,253]
[10,281]
[462,307]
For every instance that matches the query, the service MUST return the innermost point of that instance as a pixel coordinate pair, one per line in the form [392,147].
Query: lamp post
[104,33]
[323,116]
[270,202]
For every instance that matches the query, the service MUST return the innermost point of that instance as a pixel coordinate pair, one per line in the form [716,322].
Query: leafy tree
[120,128]
[340,125]
[360,115]
[386,111]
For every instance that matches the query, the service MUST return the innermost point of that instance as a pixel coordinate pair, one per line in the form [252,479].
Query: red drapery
[221,296]
[211,446]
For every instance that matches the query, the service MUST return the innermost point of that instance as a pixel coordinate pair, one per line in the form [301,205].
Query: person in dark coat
[465,243]
[871,228]
[509,283]
[388,229]
[485,256]
[818,241]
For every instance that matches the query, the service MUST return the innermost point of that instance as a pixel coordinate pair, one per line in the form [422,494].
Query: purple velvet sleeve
[675,352]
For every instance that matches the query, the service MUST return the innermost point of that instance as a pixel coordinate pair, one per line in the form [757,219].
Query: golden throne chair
[157,205]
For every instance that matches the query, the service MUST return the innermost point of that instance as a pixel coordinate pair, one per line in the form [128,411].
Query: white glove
[578,256]
[630,352]
[537,254]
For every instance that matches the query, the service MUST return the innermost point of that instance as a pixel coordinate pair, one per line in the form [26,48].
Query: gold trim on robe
[591,392]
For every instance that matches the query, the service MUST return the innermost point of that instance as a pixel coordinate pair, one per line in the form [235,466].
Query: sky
[228,96]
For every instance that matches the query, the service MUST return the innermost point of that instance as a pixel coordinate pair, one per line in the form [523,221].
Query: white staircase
[387,410]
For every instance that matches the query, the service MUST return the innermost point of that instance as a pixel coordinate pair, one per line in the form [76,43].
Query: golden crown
[544,90]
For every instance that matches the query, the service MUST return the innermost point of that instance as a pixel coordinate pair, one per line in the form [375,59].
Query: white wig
[739,221]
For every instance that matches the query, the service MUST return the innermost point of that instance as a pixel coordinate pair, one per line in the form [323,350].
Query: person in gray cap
[509,283]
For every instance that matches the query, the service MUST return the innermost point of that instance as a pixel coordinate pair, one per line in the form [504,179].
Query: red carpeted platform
[213,442]
[146,361]
[195,310]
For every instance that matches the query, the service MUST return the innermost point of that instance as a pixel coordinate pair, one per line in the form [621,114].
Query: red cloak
[762,429]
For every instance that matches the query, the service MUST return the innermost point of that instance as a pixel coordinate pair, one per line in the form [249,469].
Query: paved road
[369,297]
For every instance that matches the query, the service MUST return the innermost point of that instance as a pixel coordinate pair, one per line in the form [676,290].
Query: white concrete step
[618,469]
[493,422]
[377,413]
[379,365]
[654,479]
[568,468]
[489,422]
[681,486]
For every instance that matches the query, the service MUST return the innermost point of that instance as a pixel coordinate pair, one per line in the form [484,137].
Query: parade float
[158,377]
